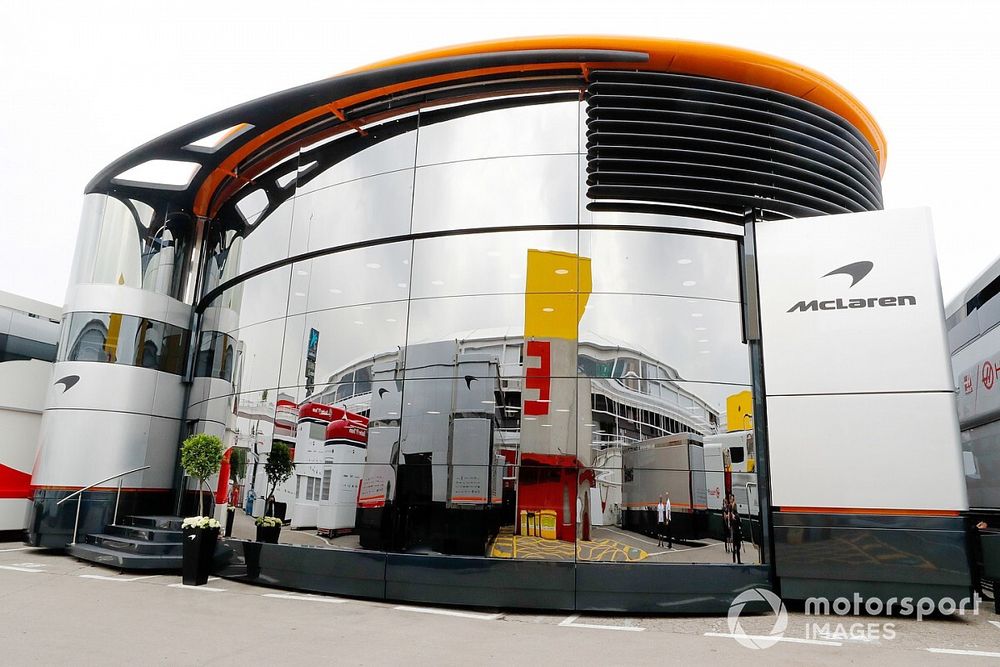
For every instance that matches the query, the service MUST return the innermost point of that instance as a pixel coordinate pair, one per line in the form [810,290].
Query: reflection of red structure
[349,427]
[222,488]
[552,482]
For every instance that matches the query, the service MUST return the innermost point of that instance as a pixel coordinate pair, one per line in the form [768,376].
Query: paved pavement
[56,610]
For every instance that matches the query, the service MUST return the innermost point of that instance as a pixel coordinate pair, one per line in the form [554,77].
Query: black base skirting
[51,525]
[665,588]
[879,556]
[494,583]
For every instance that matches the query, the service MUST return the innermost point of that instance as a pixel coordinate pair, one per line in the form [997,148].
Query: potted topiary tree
[201,457]
[278,468]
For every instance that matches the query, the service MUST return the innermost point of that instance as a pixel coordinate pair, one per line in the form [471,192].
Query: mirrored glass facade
[547,384]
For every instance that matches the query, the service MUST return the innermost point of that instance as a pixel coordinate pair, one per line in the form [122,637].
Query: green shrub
[279,466]
[201,457]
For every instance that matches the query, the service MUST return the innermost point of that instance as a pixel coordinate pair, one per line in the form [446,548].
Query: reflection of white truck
[730,467]
[673,464]
[697,474]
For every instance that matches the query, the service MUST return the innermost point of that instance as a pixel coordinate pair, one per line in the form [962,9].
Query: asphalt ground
[57,610]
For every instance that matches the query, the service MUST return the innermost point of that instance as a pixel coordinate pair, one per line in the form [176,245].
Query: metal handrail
[79,497]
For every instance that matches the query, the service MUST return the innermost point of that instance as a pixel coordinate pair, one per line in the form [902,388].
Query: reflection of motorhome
[343,463]
[433,476]
[310,443]
[632,398]
[697,473]
[973,322]
[29,331]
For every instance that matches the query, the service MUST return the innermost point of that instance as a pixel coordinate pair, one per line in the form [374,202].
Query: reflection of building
[577,205]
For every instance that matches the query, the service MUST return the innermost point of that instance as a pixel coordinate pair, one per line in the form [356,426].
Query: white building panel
[881,451]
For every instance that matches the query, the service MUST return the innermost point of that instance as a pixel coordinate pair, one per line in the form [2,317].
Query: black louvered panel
[674,144]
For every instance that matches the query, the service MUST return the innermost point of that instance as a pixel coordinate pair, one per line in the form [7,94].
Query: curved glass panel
[496,192]
[368,208]
[123,339]
[689,339]
[264,242]
[331,346]
[534,129]
[662,263]
[365,275]
[257,360]
[493,263]
[216,356]
[393,154]
[127,242]
[259,299]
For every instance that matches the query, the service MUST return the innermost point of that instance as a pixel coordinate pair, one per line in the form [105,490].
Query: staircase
[138,543]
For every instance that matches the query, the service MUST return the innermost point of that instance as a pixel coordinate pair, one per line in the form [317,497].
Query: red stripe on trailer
[14,483]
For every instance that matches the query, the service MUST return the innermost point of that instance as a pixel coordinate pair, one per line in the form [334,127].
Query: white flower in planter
[268,521]
[200,522]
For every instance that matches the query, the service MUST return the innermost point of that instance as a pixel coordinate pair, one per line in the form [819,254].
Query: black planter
[199,548]
[230,516]
[268,534]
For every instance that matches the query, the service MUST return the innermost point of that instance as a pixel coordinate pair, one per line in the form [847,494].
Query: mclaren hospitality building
[505,302]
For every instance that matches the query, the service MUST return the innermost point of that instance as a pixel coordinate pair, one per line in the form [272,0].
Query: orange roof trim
[685,57]
[664,55]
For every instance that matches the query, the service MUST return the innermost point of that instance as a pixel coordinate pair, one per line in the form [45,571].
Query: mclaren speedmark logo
[858,271]
[67,382]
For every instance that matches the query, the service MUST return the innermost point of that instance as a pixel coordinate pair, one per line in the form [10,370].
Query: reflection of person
[727,519]
[666,525]
[269,508]
[251,497]
[737,532]
[661,519]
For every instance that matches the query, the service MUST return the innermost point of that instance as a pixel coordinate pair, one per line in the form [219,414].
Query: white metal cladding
[111,419]
[880,451]
[860,401]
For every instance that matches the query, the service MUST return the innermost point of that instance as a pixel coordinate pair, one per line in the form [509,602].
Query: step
[165,522]
[148,534]
[122,559]
[136,546]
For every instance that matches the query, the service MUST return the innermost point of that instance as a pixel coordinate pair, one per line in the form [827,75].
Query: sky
[83,83]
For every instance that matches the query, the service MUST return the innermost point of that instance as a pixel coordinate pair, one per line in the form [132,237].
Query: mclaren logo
[858,271]
[67,382]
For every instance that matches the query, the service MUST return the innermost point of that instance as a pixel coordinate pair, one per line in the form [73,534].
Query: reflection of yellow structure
[557,287]
[539,523]
[508,545]
[739,412]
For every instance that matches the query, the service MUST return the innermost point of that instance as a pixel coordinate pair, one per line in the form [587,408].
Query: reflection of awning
[563,461]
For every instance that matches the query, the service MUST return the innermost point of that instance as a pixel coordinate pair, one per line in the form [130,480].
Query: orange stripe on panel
[868,510]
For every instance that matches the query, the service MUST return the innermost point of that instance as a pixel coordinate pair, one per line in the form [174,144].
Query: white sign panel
[852,303]
[860,395]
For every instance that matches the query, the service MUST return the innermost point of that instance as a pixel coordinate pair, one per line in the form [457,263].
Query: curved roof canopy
[226,150]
